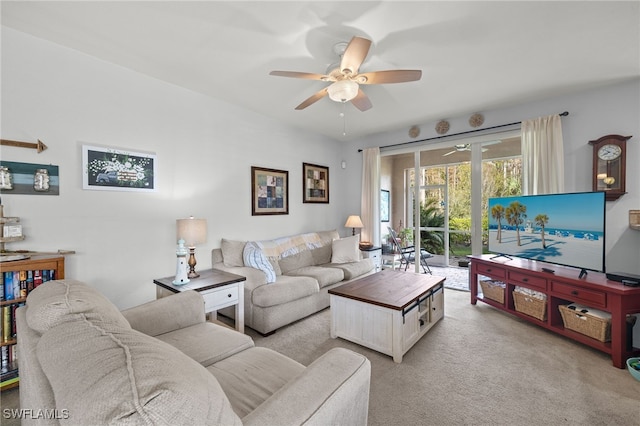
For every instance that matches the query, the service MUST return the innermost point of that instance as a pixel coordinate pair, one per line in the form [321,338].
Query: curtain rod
[562,114]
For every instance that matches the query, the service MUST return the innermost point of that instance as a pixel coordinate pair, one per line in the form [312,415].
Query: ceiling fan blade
[391,76]
[313,99]
[305,75]
[361,101]
[354,55]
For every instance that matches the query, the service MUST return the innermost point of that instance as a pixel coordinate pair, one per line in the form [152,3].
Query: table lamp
[353,222]
[193,232]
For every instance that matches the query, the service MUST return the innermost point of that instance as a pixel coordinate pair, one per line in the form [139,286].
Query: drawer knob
[574,292]
[525,280]
[229,295]
[488,269]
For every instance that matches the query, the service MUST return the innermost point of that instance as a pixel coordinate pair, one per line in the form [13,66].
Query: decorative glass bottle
[5,178]
[41,180]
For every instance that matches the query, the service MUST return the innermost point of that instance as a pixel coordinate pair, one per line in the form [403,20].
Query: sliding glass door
[443,191]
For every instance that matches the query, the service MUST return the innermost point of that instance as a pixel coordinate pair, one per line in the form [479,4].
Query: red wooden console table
[562,286]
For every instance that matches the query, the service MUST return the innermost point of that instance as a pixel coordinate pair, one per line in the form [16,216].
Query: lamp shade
[192,231]
[354,222]
[343,90]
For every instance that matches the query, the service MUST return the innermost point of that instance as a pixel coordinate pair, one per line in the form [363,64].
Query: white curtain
[542,156]
[370,204]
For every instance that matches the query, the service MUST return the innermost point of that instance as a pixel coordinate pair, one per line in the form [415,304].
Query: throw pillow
[255,258]
[296,261]
[275,266]
[232,252]
[321,255]
[345,250]
[327,236]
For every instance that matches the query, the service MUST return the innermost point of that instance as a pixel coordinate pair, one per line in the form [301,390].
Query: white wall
[613,109]
[205,149]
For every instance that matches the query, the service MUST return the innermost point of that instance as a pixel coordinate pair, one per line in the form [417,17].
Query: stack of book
[9,372]
[15,286]
[18,284]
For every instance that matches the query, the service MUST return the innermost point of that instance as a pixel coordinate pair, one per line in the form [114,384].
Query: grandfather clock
[609,165]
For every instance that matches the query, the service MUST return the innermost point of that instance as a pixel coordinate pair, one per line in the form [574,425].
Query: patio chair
[408,253]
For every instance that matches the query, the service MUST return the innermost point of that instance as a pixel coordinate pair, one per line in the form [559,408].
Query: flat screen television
[565,229]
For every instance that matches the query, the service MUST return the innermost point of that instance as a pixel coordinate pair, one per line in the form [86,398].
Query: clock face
[609,152]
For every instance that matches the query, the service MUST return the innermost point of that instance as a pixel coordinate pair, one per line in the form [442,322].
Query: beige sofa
[295,276]
[83,362]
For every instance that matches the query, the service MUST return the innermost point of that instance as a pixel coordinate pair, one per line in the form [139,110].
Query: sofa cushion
[207,342]
[285,289]
[255,258]
[296,261]
[104,373]
[252,376]
[65,300]
[354,269]
[324,276]
[321,255]
[327,236]
[167,314]
[232,252]
[345,250]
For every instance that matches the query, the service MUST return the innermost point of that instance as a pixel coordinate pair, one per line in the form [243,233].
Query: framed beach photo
[315,183]
[114,169]
[269,191]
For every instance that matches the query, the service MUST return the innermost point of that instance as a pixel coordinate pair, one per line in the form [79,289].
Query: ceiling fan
[467,147]
[346,79]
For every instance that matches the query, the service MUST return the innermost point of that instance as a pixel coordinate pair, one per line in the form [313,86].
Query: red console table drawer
[492,271]
[595,299]
[528,280]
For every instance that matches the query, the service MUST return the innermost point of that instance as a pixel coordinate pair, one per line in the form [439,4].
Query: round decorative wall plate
[476,120]
[442,127]
[414,131]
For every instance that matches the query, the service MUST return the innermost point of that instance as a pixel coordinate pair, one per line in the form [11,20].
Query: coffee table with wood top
[388,311]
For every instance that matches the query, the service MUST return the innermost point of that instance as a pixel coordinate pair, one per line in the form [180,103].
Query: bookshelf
[36,270]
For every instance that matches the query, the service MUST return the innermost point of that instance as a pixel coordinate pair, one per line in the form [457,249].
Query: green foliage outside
[500,178]
[431,216]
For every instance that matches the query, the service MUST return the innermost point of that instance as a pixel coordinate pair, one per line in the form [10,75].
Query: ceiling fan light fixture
[343,90]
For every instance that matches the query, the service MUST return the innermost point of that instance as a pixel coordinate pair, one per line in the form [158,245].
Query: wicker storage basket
[585,322]
[530,305]
[493,290]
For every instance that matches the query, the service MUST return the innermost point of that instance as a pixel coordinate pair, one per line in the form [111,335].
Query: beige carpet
[477,366]
[480,366]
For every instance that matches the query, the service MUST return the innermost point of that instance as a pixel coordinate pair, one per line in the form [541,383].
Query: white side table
[374,253]
[219,289]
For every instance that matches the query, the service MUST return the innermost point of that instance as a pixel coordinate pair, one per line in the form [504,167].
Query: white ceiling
[475,56]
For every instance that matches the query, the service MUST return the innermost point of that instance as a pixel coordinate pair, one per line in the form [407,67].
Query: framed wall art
[269,191]
[111,169]
[384,205]
[315,183]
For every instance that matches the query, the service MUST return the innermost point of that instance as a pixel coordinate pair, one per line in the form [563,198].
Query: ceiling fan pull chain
[344,119]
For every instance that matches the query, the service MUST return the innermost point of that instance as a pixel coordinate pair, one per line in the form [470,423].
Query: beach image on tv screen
[567,229]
